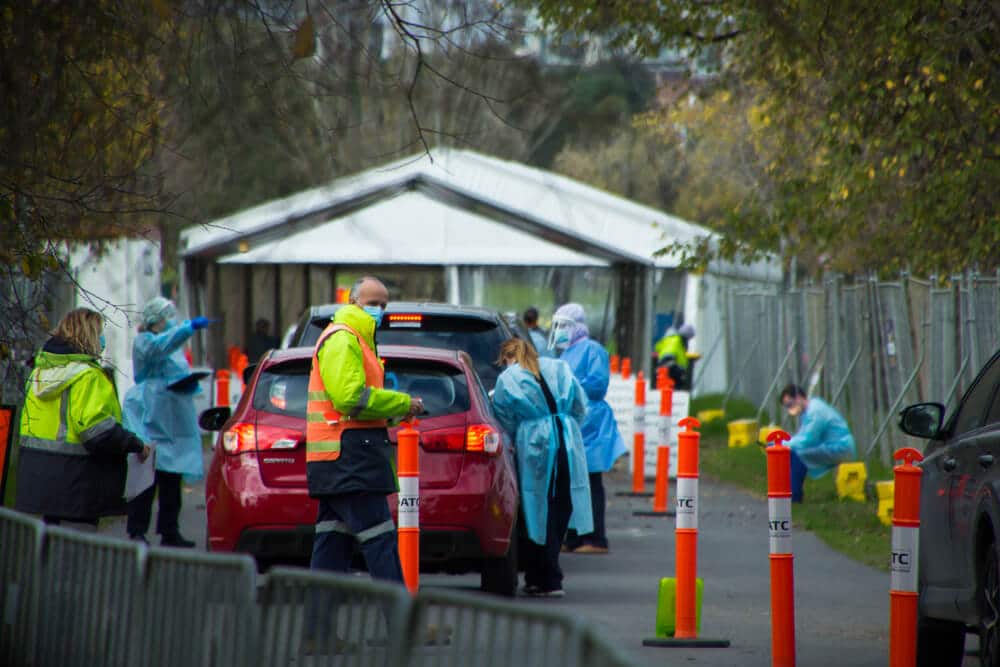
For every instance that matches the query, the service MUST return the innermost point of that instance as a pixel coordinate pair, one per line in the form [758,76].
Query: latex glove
[199,322]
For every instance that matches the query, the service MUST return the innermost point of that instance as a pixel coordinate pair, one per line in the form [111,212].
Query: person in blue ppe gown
[165,401]
[538,336]
[589,361]
[542,404]
[822,442]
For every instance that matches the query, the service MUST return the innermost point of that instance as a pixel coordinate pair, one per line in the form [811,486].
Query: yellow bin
[742,432]
[850,481]
[705,416]
[886,495]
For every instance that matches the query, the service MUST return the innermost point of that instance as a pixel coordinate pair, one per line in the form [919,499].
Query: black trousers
[140,508]
[541,561]
[599,537]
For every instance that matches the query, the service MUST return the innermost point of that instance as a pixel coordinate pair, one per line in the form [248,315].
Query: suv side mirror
[214,418]
[922,420]
[247,374]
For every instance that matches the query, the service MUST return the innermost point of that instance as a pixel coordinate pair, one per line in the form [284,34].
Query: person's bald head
[369,291]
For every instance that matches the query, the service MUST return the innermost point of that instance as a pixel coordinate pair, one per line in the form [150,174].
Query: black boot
[176,540]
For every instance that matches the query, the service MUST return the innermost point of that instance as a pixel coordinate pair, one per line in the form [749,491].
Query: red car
[256,486]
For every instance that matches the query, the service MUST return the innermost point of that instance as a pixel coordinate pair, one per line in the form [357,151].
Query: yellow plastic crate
[705,416]
[850,480]
[742,432]
[886,495]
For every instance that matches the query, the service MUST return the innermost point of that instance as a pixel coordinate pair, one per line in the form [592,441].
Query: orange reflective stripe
[312,457]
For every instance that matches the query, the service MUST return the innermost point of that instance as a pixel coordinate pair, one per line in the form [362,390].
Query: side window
[993,417]
[980,399]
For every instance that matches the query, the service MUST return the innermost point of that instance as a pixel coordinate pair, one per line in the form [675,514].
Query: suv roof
[401,351]
[428,307]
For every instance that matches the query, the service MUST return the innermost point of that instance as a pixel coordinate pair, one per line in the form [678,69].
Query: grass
[848,526]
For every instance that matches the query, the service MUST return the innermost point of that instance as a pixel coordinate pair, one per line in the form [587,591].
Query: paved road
[842,607]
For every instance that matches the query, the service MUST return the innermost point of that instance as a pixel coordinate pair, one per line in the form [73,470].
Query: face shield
[562,330]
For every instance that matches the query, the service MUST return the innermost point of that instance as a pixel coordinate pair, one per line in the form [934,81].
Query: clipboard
[189,383]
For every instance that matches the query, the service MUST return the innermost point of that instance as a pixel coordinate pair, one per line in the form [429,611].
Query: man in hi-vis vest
[348,455]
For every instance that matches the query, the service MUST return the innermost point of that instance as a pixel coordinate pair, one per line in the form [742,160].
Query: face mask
[170,324]
[104,343]
[375,312]
[560,338]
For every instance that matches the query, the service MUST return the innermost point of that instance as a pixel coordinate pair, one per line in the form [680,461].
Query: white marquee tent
[463,216]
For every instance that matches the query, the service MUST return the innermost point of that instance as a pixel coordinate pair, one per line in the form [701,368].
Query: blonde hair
[525,355]
[81,328]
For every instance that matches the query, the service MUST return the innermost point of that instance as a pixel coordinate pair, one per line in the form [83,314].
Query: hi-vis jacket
[71,462]
[347,444]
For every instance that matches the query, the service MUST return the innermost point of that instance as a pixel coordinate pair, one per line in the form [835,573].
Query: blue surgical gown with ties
[823,440]
[604,444]
[169,417]
[521,407]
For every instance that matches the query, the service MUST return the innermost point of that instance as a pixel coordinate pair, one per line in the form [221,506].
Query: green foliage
[875,127]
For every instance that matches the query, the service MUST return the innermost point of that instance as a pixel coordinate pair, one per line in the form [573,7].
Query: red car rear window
[283,388]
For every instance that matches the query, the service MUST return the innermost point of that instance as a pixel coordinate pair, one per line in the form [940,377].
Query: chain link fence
[869,347]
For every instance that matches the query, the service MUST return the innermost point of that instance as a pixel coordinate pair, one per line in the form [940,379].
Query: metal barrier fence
[869,347]
[71,598]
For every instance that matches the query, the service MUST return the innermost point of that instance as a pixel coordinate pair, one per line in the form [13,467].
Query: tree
[886,117]
[124,118]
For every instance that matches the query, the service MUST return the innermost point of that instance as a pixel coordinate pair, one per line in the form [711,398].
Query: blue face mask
[104,343]
[560,338]
[375,312]
[170,324]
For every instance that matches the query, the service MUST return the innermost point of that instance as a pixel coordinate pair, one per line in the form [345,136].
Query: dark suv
[479,332]
[959,563]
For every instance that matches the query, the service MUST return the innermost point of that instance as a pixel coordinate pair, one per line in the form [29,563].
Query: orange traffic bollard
[662,377]
[779,511]
[638,441]
[905,541]
[686,534]
[686,546]
[408,515]
[661,488]
[639,437]
[614,364]
[626,368]
[222,388]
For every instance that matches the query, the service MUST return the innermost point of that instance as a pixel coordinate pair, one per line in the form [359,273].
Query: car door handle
[949,464]
[985,460]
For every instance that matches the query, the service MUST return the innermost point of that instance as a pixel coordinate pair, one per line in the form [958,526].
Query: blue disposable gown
[823,439]
[541,342]
[604,444]
[521,407]
[169,417]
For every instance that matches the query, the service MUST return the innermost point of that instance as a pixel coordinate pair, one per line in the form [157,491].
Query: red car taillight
[482,438]
[240,438]
[247,438]
[478,438]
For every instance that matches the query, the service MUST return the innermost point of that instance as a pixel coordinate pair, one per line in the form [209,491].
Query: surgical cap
[156,310]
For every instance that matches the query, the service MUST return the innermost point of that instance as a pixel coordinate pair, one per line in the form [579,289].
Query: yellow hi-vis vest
[324,423]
